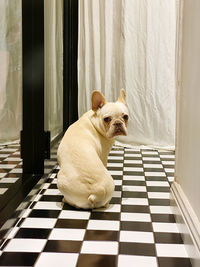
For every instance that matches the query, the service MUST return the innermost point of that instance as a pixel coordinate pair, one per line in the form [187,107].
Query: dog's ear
[122,96]
[98,100]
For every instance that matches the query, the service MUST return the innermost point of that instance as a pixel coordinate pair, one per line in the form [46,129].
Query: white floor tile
[57,259]
[54,181]
[25,245]
[165,227]
[161,210]
[169,170]
[100,247]
[133,169]
[118,182]
[158,195]
[137,237]
[25,213]
[133,161]
[171,179]
[45,223]
[8,180]
[135,217]
[136,261]
[135,201]
[37,197]
[127,155]
[4,155]
[13,159]
[149,152]
[145,159]
[129,149]
[117,152]
[67,234]
[53,192]
[110,208]
[115,157]
[3,190]
[53,175]
[155,166]
[46,185]
[12,232]
[168,162]
[74,214]
[157,183]
[9,149]
[16,153]
[167,156]
[155,174]
[115,172]
[17,170]
[7,166]
[111,164]
[117,194]
[131,188]
[134,178]
[48,205]
[103,225]
[171,250]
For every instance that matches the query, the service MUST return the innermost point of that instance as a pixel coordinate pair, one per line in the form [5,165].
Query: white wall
[188,126]
[186,189]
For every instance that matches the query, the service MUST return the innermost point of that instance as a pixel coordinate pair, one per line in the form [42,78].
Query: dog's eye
[107,119]
[125,117]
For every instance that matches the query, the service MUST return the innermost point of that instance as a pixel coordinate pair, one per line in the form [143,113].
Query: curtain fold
[131,44]
[10,70]
[53,24]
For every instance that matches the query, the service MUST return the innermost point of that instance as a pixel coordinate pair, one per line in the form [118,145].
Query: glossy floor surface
[137,229]
[10,166]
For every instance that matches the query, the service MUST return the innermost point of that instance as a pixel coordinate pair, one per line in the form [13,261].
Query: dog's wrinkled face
[111,118]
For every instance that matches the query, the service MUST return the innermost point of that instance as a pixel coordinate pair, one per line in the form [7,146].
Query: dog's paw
[106,206]
[63,200]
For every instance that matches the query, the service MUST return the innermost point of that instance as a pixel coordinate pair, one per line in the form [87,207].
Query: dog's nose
[118,124]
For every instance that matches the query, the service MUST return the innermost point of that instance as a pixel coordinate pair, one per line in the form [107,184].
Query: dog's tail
[92,200]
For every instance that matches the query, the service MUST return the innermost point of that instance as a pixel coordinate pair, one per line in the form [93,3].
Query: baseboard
[188,223]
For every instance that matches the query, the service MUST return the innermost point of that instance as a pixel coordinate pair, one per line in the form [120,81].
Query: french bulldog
[82,154]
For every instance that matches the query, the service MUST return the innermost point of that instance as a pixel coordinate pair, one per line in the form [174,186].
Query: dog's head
[111,119]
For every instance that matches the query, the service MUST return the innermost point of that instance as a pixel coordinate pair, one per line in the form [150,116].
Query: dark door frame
[35,142]
[70,76]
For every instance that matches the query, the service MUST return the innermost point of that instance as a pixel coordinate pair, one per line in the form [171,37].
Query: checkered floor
[10,166]
[138,229]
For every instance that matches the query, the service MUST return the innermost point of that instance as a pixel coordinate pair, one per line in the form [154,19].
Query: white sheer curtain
[131,44]
[10,70]
[53,66]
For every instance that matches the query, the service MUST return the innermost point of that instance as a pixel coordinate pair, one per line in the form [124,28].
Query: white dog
[82,154]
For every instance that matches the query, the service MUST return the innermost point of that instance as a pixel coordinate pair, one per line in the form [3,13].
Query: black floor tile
[101,235]
[71,223]
[105,216]
[90,260]
[64,246]
[18,259]
[136,226]
[141,249]
[33,233]
[44,213]
[174,262]
[168,238]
